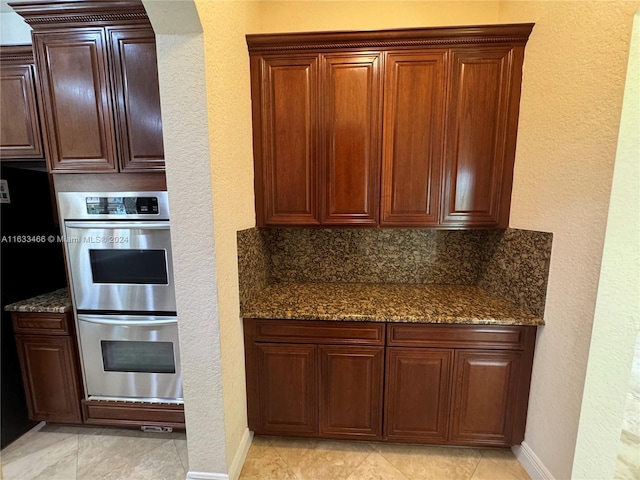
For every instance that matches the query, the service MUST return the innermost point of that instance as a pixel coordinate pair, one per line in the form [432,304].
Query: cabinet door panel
[351,380]
[351,92]
[287,388]
[288,167]
[481,83]
[50,377]
[137,99]
[417,394]
[20,135]
[415,94]
[76,100]
[484,397]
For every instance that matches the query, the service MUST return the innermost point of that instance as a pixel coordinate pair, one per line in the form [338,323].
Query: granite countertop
[57,301]
[375,302]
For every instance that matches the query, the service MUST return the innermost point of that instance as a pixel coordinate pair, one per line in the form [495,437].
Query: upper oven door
[123,266]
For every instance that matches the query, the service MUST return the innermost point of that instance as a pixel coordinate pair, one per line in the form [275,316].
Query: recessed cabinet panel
[413,137]
[20,136]
[417,394]
[351,380]
[476,136]
[351,104]
[288,388]
[137,99]
[484,398]
[50,377]
[75,89]
[289,132]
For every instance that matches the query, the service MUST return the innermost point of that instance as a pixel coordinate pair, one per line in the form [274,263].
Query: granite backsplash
[512,264]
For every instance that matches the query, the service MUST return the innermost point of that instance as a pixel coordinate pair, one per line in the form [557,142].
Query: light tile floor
[274,458]
[52,452]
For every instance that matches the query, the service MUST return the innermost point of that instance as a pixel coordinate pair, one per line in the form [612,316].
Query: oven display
[122,205]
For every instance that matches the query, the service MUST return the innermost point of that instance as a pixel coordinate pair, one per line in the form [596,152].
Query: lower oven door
[130,357]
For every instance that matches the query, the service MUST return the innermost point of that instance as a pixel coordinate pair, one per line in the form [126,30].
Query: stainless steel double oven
[118,251]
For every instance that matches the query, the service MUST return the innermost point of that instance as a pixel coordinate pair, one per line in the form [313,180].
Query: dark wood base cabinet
[397,382]
[49,366]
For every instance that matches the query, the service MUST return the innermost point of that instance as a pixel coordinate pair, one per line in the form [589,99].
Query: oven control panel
[122,205]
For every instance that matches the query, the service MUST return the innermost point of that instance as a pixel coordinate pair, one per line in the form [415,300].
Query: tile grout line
[281,457]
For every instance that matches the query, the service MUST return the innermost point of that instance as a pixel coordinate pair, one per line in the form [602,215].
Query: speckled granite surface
[407,275]
[253,264]
[386,303]
[517,268]
[57,301]
[378,255]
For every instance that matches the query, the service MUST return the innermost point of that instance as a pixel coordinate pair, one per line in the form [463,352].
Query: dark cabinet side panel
[351,103]
[137,99]
[76,100]
[414,113]
[285,97]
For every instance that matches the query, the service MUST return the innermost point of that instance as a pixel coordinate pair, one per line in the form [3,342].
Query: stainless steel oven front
[118,250]
[127,356]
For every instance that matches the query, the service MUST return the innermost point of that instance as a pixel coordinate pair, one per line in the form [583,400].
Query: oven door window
[129,266]
[143,357]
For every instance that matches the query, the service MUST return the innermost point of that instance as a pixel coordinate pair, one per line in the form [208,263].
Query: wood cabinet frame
[443,384]
[458,174]
[92,57]
[20,105]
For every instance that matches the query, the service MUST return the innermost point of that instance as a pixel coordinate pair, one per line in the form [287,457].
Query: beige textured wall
[296,16]
[609,428]
[572,92]
[227,69]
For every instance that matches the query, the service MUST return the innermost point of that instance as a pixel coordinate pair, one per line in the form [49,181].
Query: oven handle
[119,225]
[99,319]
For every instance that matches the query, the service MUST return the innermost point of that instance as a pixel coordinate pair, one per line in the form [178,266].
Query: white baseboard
[241,455]
[207,476]
[531,463]
[236,464]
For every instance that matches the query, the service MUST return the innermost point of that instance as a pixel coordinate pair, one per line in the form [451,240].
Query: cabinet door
[285,118]
[136,94]
[76,100]
[351,103]
[20,136]
[287,376]
[480,140]
[415,94]
[351,382]
[50,378]
[484,397]
[417,394]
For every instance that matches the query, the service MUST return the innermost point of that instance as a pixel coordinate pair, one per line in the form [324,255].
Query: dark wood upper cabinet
[413,127]
[481,135]
[137,98]
[286,134]
[76,100]
[413,137]
[20,133]
[99,90]
[351,101]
